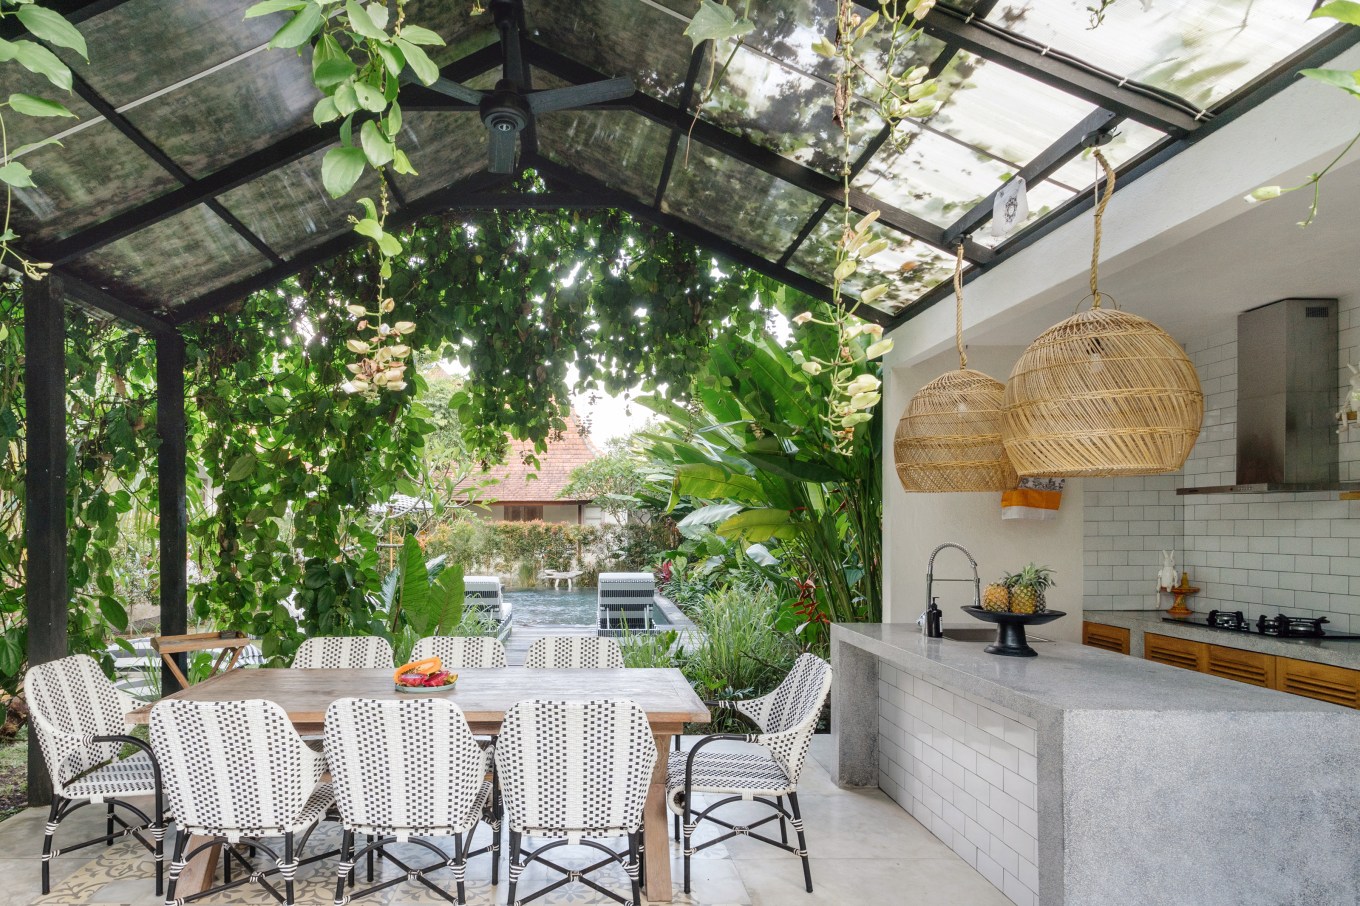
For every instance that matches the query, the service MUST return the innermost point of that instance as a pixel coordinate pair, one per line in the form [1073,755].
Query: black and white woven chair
[786,718]
[405,771]
[357,652]
[237,772]
[462,653]
[80,719]
[577,771]
[574,652]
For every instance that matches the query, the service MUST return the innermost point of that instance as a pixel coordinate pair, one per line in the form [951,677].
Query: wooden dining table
[484,696]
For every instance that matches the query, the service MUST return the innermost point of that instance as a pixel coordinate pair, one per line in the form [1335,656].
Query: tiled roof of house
[518,482]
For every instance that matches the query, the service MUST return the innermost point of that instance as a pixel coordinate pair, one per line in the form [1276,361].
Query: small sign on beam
[1010,208]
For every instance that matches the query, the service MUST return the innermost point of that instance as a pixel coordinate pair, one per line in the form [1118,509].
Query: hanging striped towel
[1033,498]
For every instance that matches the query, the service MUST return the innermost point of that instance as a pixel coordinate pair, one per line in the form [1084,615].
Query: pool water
[558,607]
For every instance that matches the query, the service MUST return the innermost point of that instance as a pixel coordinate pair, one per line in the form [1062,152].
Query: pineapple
[996,597]
[1028,587]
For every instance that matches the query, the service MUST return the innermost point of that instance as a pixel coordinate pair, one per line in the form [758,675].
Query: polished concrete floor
[865,851]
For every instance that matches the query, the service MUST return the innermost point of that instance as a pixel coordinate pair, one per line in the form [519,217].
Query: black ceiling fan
[509,108]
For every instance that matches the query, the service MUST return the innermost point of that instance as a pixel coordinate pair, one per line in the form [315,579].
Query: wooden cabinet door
[1111,638]
[1321,681]
[1177,652]
[1244,666]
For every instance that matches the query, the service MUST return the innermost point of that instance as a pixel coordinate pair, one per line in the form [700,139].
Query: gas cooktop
[1279,626]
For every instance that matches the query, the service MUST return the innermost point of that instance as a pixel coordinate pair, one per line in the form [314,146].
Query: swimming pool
[559,607]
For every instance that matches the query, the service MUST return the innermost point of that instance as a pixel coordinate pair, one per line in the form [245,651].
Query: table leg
[198,874]
[658,855]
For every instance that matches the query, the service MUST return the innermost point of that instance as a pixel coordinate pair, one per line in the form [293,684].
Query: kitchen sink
[984,634]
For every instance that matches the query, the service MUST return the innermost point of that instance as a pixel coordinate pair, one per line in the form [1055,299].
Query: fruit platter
[424,676]
[1014,602]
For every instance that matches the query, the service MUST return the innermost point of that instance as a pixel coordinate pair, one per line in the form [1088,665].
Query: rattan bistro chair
[238,772]
[576,771]
[574,652]
[462,653]
[80,720]
[786,718]
[405,771]
[358,652]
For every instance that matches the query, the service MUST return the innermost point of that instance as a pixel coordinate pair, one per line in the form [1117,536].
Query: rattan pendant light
[949,437]
[1103,393]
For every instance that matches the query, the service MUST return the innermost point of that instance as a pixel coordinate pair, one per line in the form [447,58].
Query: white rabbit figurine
[1166,578]
[1350,405]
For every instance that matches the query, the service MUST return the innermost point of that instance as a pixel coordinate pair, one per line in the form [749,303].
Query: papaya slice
[424,666]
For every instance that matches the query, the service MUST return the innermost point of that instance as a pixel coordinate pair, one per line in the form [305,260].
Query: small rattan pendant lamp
[1103,393]
[949,437]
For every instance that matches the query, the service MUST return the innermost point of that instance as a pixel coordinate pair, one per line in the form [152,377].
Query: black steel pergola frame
[45,301]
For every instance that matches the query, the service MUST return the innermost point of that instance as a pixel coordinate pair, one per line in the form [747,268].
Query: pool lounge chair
[624,603]
[484,594]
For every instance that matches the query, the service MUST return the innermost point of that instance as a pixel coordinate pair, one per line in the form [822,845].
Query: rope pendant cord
[958,308]
[1102,201]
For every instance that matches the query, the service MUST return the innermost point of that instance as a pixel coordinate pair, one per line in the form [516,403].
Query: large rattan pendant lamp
[1103,393]
[949,437]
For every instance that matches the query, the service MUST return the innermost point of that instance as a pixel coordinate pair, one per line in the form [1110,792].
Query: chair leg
[635,866]
[497,814]
[677,817]
[287,869]
[109,825]
[158,835]
[802,840]
[48,833]
[783,825]
[176,864]
[343,874]
[226,862]
[370,858]
[688,829]
[515,867]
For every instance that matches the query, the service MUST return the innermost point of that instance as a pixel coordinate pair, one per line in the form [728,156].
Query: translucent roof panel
[911,268]
[1041,197]
[290,209]
[462,31]
[738,202]
[443,147]
[141,46]
[1130,140]
[621,149]
[628,38]
[783,110]
[932,176]
[251,104]
[94,174]
[1201,51]
[173,261]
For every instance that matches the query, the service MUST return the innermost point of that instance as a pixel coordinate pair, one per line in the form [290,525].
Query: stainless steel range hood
[1287,387]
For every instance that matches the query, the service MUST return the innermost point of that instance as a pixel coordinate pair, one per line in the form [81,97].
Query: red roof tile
[519,482]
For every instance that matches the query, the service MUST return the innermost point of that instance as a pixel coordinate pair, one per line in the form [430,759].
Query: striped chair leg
[634,866]
[515,868]
[344,872]
[176,865]
[783,825]
[288,869]
[48,834]
[677,817]
[802,840]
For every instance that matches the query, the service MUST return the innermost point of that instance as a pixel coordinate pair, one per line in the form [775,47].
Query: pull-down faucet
[929,621]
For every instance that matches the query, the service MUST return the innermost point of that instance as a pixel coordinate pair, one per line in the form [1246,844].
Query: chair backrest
[575,767]
[357,652]
[462,653]
[573,652]
[403,765]
[232,766]
[624,601]
[484,594]
[792,709]
[71,698]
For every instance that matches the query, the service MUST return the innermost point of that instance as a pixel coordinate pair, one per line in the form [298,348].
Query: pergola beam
[1054,68]
[77,291]
[46,593]
[173,523]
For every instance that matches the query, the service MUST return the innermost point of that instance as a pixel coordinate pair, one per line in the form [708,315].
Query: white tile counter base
[966,770]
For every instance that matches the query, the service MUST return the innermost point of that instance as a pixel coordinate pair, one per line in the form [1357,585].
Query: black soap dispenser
[933,616]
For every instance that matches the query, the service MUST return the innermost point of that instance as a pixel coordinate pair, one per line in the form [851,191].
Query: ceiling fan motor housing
[505,109]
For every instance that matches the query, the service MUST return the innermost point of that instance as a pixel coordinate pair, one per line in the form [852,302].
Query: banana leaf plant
[426,596]
[754,458]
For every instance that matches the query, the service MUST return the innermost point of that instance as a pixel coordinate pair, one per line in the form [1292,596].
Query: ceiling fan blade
[503,144]
[457,90]
[580,95]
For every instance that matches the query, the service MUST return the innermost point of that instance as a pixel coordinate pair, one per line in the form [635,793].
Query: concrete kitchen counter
[1320,651]
[1087,777]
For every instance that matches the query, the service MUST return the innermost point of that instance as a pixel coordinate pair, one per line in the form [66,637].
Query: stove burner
[1279,626]
[1291,627]
[1224,619]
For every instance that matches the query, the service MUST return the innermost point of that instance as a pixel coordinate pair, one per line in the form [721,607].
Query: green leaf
[329,73]
[1341,10]
[17,175]
[417,34]
[341,169]
[420,63]
[33,146]
[242,467]
[371,212]
[754,526]
[715,22]
[711,482]
[389,245]
[325,111]
[265,7]
[29,105]
[38,59]
[53,28]
[402,164]
[392,124]
[376,146]
[11,655]
[113,612]
[276,404]
[362,22]
[1339,78]
[706,516]
[370,98]
[391,57]
[299,29]
[346,98]
[370,228]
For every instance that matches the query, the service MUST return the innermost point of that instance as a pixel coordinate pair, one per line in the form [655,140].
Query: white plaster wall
[914,524]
